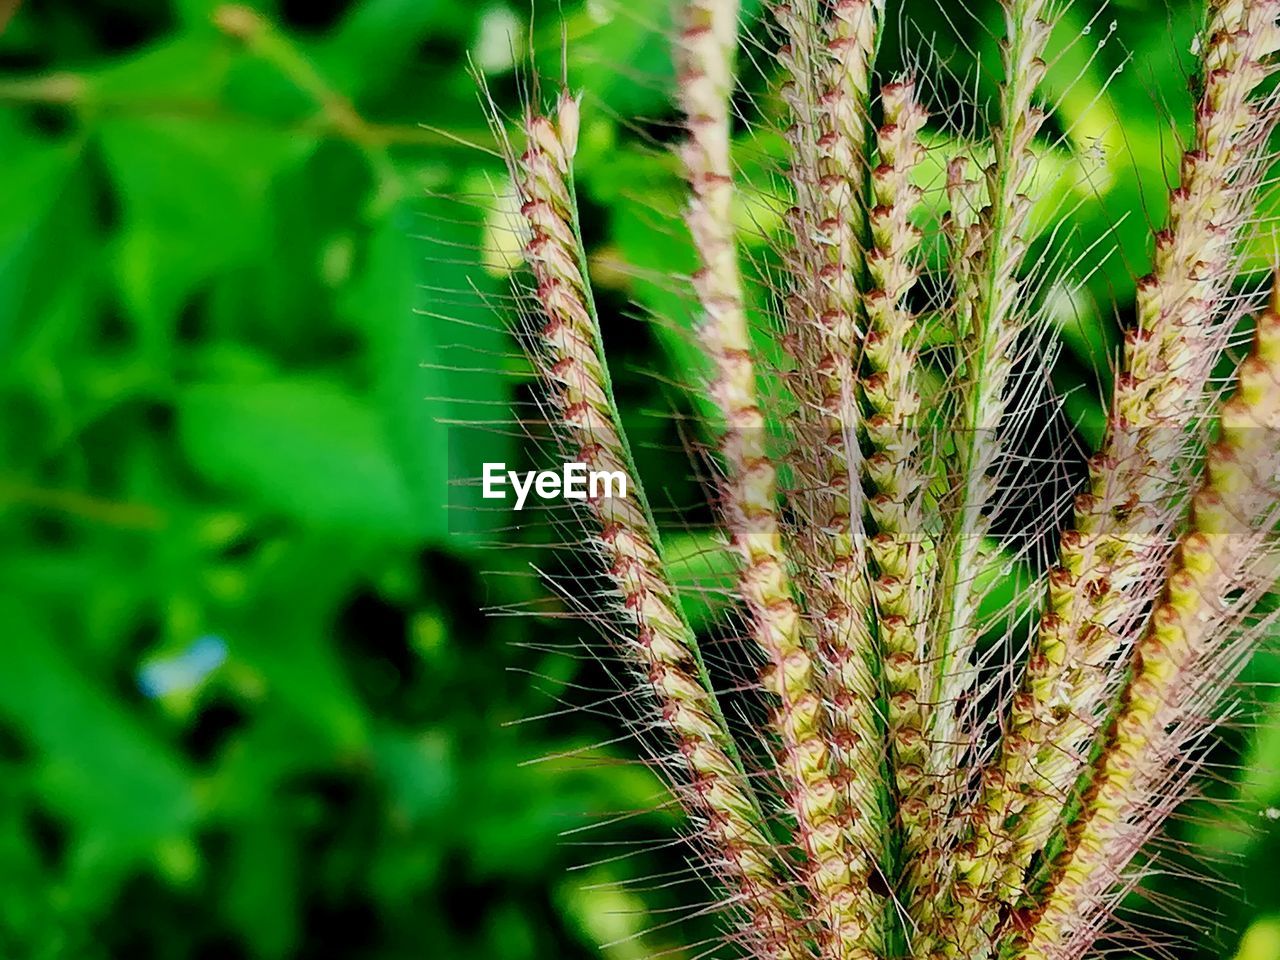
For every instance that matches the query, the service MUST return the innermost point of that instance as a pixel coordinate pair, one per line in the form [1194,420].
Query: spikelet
[1176,660]
[749,492]
[662,646]
[892,472]
[828,72]
[1096,591]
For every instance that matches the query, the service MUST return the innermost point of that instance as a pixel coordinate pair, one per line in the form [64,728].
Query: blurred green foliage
[249,706]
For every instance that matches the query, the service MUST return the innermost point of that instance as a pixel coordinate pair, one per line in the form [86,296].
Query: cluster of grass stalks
[915,771]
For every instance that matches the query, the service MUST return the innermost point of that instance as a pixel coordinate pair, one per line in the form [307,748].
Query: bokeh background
[249,704]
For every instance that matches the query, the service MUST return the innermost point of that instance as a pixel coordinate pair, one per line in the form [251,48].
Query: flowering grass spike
[910,768]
